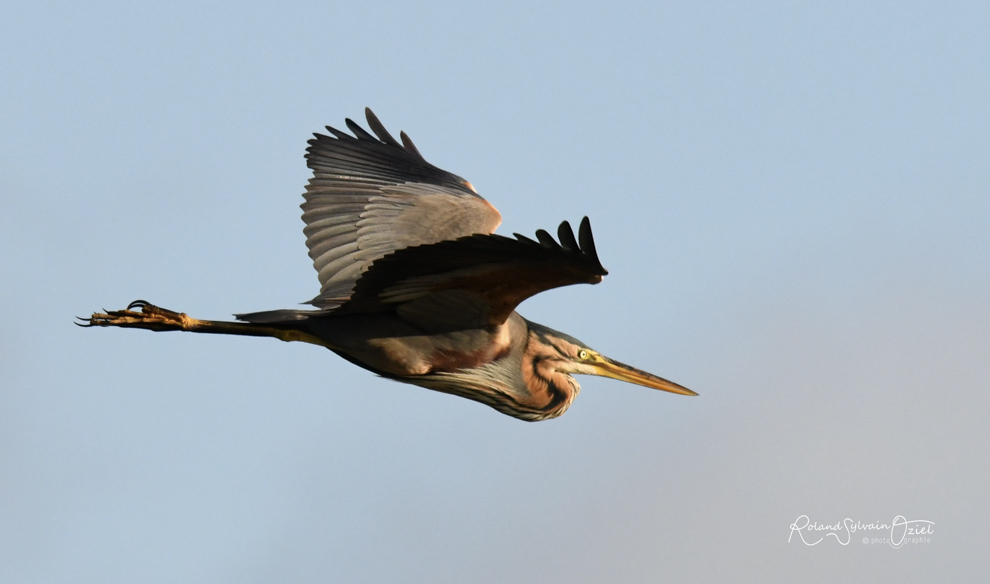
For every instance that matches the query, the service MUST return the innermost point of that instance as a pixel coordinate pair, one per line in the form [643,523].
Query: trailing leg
[150,317]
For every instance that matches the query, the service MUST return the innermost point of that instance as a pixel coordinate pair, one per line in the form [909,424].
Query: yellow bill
[608,368]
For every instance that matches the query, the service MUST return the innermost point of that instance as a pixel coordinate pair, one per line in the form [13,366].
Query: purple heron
[416,287]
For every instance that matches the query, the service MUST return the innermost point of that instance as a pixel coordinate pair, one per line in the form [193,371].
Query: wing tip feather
[583,245]
[587,243]
[379,129]
[381,136]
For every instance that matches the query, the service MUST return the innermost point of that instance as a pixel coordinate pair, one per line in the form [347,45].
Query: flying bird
[416,287]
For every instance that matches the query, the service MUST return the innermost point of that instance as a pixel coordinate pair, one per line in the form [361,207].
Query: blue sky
[792,202]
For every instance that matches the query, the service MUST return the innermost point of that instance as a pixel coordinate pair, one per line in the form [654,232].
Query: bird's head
[552,357]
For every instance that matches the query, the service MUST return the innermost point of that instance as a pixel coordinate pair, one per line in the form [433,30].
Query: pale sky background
[793,203]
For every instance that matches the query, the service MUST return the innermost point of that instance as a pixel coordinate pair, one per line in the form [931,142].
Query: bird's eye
[582,354]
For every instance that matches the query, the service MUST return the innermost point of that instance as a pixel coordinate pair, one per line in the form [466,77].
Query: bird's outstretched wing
[370,196]
[474,281]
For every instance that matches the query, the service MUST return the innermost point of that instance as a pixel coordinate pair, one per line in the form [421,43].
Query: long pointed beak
[608,368]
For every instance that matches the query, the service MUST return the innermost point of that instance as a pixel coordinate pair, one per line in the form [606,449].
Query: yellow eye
[582,354]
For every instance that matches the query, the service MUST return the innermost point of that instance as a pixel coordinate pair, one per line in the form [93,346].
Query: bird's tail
[278,316]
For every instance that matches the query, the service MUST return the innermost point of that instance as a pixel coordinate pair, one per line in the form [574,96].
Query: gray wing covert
[372,196]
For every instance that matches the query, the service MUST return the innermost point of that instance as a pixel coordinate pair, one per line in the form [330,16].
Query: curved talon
[138,304]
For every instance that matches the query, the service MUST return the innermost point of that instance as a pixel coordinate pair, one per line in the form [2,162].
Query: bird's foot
[148,316]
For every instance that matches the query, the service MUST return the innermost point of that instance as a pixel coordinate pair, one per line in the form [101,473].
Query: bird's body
[417,288]
[452,362]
